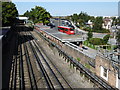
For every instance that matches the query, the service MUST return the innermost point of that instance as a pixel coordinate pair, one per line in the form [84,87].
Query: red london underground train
[67,30]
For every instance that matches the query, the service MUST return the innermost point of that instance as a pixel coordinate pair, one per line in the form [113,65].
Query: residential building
[107,22]
[108,68]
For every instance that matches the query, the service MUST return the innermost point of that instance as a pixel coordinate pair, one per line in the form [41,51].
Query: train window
[63,29]
[58,28]
[66,29]
[71,29]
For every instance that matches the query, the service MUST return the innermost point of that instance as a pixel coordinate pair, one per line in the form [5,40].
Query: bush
[96,41]
[87,28]
[106,38]
[87,65]
[101,31]
[78,59]
[90,35]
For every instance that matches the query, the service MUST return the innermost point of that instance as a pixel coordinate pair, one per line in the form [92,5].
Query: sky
[69,8]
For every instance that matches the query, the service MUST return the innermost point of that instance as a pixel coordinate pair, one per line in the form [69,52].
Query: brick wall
[77,53]
[101,61]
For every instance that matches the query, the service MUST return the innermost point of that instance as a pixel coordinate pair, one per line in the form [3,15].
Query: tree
[84,16]
[80,19]
[118,38]
[27,14]
[106,38]
[38,14]
[75,18]
[9,13]
[118,21]
[81,22]
[113,21]
[118,41]
[92,18]
[97,24]
[90,35]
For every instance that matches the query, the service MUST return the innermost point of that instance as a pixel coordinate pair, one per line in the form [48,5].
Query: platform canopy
[22,18]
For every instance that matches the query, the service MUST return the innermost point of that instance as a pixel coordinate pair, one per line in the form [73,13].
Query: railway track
[23,74]
[43,54]
[19,76]
[48,70]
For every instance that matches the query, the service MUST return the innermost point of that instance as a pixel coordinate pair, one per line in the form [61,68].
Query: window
[58,28]
[66,29]
[71,29]
[104,73]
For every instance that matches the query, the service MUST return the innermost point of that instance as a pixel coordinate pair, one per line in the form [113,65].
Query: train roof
[64,26]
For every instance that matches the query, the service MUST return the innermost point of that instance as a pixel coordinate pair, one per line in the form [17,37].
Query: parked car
[51,25]
[85,48]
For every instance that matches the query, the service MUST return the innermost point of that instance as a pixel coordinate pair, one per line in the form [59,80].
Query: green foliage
[96,41]
[75,18]
[9,13]
[81,18]
[106,38]
[87,65]
[78,59]
[87,28]
[90,35]
[38,14]
[118,37]
[116,21]
[86,43]
[97,23]
[101,31]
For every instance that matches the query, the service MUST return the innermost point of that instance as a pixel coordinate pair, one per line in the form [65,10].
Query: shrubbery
[99,41]
[97,31]
[101,31]
[106,38]
[96,41]
[86,28]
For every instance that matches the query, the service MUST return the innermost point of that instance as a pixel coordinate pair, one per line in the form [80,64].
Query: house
[90,23]
[108,69]
[107,22]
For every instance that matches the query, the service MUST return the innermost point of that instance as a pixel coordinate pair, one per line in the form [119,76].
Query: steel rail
[44,73]
[39,46]
[55,66]
[22,86]
[13,69]
[49,66]
[30,69]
